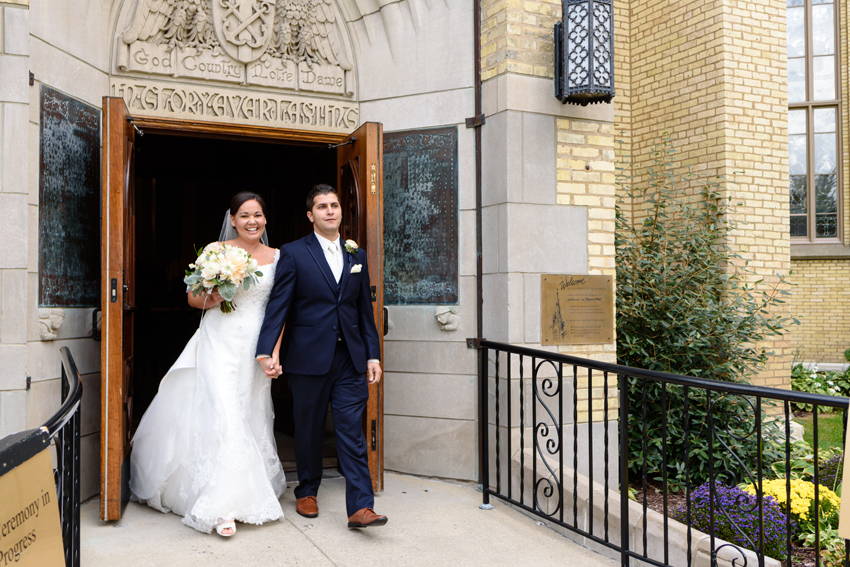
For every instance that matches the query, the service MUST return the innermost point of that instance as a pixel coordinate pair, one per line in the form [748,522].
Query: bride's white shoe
[225,525]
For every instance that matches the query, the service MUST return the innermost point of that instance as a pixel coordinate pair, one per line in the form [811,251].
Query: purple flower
[829,471]
[736,518]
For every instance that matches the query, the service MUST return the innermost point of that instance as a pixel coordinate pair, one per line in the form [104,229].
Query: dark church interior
[179,207]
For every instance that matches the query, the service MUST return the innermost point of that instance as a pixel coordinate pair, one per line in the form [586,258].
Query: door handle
[386,321]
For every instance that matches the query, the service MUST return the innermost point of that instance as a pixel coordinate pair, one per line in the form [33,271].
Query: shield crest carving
[244,27]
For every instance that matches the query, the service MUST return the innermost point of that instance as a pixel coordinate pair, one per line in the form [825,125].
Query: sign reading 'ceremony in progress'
[30,531]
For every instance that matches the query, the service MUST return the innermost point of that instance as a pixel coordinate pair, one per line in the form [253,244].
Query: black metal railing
[558,446]
[63,430]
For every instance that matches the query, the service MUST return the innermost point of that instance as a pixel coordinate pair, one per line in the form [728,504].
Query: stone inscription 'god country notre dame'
[288,44]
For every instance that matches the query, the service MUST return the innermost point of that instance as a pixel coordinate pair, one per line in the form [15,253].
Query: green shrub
[689,304]
[811,380]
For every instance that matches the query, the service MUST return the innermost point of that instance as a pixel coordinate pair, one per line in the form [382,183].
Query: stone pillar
[548,206]
[15,232]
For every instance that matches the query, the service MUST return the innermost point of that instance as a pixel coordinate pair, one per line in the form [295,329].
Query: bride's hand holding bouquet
[220,270]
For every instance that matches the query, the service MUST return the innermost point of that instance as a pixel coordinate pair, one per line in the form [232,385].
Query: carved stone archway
[273,63]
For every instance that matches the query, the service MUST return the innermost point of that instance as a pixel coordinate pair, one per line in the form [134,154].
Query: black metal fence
[561,441]
[63,430]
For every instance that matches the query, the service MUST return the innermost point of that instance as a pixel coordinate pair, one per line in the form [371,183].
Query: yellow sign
[576,309]
[30,529]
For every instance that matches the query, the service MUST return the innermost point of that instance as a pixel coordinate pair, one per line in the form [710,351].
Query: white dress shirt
[333,254]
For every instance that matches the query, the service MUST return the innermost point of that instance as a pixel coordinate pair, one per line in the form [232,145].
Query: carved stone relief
[296,45]
[49,321]
[448,318]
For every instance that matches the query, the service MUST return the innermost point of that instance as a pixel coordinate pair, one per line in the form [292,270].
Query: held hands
[271,366]
[373,372]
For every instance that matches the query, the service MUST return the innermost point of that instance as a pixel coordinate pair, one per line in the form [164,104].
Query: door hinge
[374,434]
[476,121]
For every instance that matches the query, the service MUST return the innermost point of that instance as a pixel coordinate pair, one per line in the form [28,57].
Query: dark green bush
[688,304]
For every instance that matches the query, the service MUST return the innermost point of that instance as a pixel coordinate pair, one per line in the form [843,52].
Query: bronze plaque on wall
[577,309]
[421,217]
[69,203]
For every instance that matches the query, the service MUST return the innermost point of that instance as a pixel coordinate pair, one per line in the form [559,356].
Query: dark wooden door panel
[359,166]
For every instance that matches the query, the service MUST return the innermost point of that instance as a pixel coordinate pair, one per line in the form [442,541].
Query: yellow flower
[802,496]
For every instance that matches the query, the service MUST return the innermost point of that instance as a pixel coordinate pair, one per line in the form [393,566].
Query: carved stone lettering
[321,78]
[273,72]
[236,106]
[150,58]
[203,64]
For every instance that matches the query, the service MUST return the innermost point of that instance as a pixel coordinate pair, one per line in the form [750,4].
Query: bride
[205,448]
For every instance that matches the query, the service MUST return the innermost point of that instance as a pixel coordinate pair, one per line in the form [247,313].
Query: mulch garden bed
[801,556]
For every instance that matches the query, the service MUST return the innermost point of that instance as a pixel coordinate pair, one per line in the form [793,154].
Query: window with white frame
[813,120]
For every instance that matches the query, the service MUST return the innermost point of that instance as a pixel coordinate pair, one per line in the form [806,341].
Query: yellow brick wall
[821,298]
[712,74]
[517,37]
[586,178]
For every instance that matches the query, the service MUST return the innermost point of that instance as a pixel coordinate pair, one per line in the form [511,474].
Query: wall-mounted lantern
[584,52]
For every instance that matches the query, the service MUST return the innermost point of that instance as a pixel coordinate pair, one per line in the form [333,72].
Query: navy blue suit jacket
[305,296]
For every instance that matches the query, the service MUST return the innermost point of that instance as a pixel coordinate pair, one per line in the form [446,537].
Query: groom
[330,351]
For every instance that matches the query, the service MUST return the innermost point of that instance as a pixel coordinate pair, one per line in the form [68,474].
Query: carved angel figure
[183,23]
[306,30]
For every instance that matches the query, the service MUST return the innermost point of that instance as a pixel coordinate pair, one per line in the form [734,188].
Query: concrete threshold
[430,523]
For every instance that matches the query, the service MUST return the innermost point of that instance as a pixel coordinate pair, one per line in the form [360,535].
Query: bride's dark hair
[242,197]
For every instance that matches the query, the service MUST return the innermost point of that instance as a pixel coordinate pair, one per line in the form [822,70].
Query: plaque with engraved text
[69,203]
[421,217]
[577,309]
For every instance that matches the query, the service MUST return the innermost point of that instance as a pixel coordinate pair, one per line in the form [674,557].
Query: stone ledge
[819,252]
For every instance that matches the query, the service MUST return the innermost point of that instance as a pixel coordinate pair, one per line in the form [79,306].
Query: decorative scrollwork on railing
[734,561]
[547,388]
[729,426]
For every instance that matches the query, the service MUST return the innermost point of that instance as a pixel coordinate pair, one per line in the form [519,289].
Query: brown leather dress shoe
[307,506]
[366,517]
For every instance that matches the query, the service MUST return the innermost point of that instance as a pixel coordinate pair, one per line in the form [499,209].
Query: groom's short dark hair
[320,189]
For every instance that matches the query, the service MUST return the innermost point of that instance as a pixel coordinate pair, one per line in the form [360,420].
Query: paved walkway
[431,523]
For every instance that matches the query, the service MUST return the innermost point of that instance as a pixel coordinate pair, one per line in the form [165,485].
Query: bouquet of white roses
[223,267]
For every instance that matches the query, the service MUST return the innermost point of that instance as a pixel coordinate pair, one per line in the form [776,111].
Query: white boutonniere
[351,246]
[355,269]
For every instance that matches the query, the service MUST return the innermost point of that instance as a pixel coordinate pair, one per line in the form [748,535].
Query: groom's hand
[269,366]
[373,372]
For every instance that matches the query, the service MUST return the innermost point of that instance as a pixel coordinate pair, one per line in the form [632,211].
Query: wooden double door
[359,181]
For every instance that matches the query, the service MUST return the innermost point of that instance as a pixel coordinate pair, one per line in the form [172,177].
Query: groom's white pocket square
[355,269]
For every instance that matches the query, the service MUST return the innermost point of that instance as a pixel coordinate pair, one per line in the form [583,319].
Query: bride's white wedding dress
[205,448]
